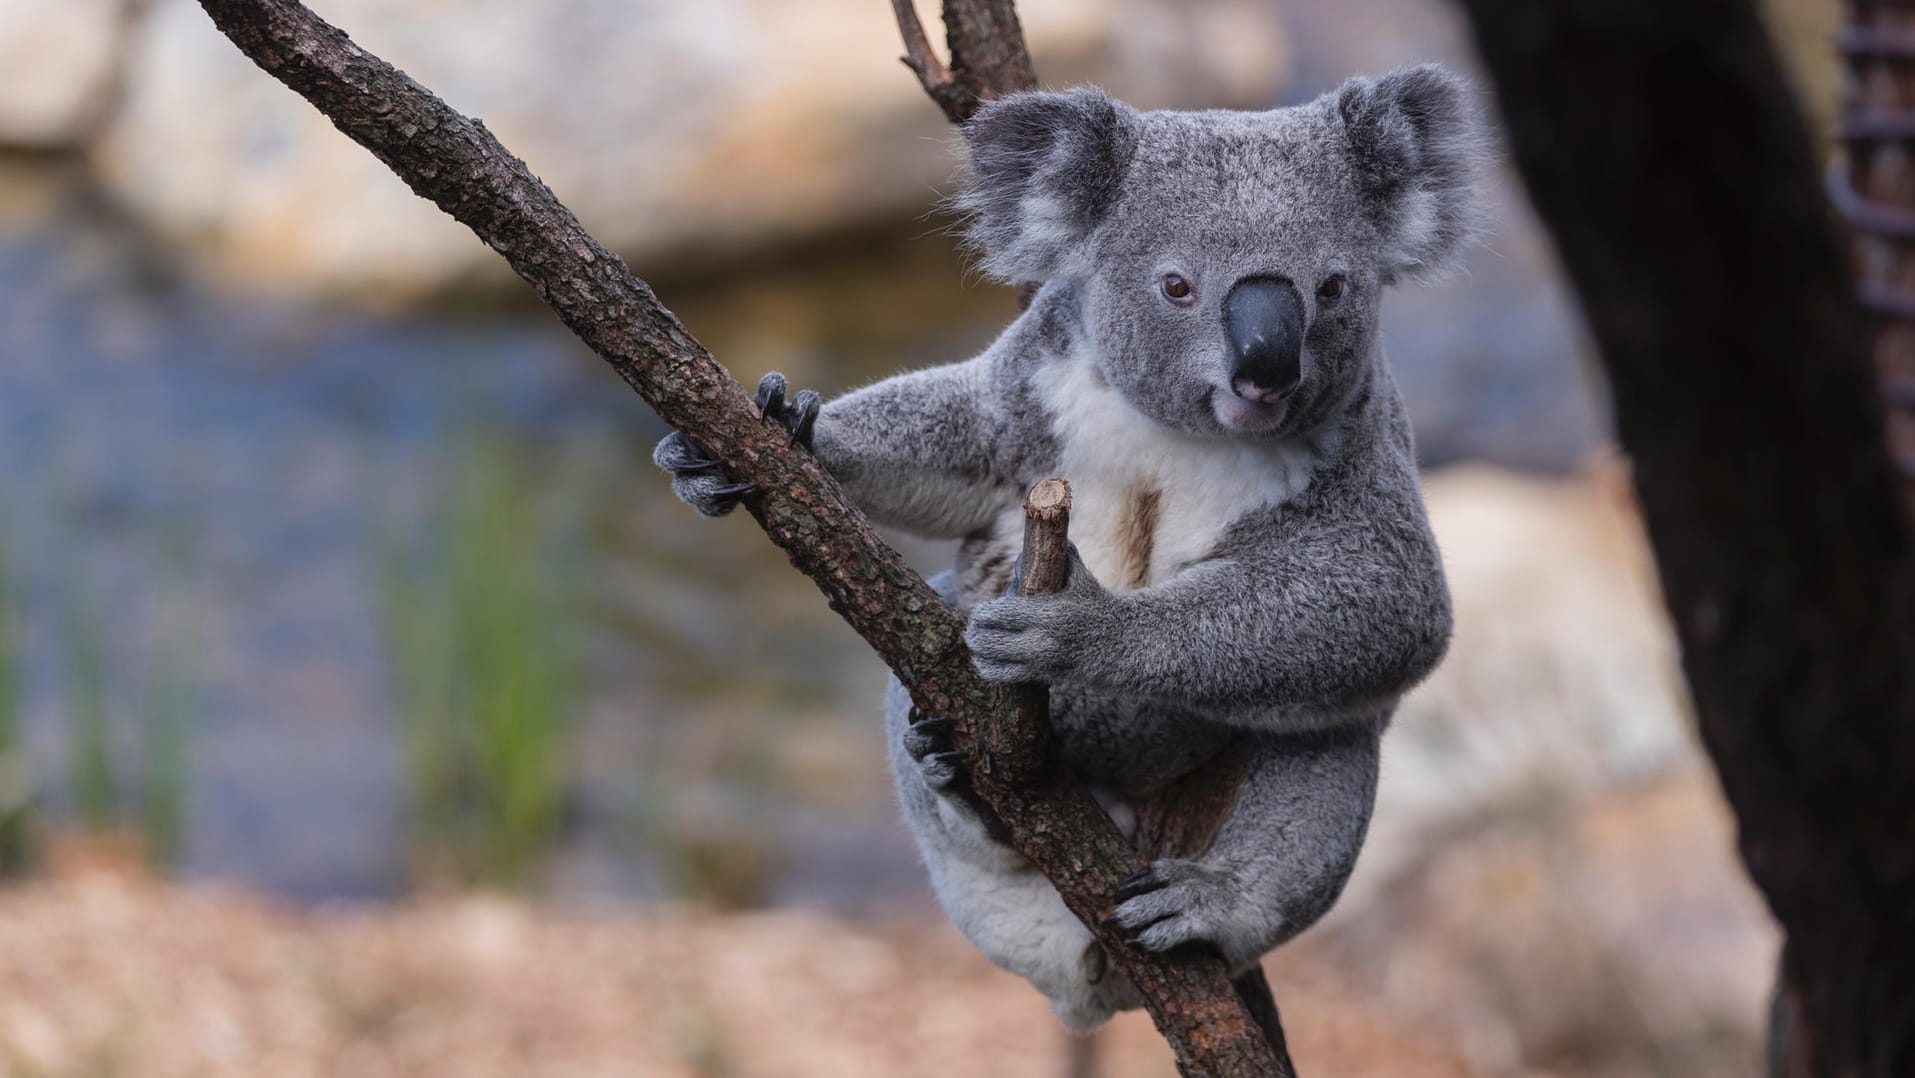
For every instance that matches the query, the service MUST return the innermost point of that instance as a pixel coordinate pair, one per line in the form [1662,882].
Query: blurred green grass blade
[479,649]
[95,788]
[16,782]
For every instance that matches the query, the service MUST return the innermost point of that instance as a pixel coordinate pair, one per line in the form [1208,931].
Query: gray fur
[1246,574]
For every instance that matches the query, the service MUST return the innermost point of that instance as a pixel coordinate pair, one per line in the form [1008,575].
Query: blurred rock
[1551,875]
[1562,681]
[680,133]
[56,68]
[1613,937]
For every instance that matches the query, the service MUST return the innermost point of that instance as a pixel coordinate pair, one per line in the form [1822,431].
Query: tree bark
[456,163]
[1661,144]
[988,55]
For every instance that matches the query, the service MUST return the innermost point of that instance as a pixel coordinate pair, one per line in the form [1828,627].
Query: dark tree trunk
[1661,143]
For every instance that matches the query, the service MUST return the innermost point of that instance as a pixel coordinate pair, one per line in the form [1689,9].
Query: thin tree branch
[917,45]
[936,79]
[988,55]
[456,163]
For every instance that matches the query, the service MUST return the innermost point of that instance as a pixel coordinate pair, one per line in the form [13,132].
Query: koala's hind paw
[798,415]
[1174,902]
[698,480]
[928,741]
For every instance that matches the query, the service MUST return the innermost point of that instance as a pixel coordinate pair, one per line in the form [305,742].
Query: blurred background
[368,706]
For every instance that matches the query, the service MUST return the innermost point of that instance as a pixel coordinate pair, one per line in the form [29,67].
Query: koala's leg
[1279,861]
[994,896]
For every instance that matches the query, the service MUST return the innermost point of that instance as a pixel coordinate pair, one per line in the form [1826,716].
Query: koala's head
[1229,263]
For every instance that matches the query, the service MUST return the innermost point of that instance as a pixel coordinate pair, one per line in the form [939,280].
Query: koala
[1252,569]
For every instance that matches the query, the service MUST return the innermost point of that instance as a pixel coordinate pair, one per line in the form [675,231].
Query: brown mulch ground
[102,973]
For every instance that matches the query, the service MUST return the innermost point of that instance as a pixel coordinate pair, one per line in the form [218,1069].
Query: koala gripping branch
[1022,737]
[454,162]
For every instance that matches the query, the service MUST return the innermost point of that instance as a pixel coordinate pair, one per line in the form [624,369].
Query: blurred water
[215,473]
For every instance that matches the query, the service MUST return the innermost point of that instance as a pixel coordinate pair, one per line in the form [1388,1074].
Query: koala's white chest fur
[1148,501]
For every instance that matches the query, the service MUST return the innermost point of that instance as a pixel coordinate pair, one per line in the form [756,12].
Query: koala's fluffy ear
[1417,142]
[1045,167]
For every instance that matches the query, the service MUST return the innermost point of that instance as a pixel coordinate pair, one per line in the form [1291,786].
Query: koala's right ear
[1046,167]
[1416,138]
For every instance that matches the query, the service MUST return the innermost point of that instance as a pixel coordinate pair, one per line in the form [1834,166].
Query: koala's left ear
[1417,142]
[1046,167]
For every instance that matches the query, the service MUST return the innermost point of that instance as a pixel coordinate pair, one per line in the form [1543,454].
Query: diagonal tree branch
[456,163]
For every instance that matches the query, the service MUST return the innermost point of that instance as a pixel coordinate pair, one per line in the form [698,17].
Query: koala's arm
[1303,622]
[923,451]
[1340,615]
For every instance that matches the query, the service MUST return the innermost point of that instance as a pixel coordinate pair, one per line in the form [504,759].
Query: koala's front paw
[1037,637]
[701,482]
[1020,638]
[1174,902]
[698,480]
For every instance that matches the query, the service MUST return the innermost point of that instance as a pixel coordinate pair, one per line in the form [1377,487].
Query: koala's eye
[1176,287]
[1331,288]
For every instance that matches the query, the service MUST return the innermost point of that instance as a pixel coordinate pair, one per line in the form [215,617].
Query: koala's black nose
[1263,317]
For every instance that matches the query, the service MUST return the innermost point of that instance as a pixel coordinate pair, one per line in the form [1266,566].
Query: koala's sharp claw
[1134,926]
[798,414]
[697,479]
[1137,938]
[806,409]
[678,455]
[1179,902]
[771,395]
[943,771]
[924,737]
[1140,882]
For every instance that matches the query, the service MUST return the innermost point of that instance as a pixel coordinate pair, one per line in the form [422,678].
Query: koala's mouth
[1241,414]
